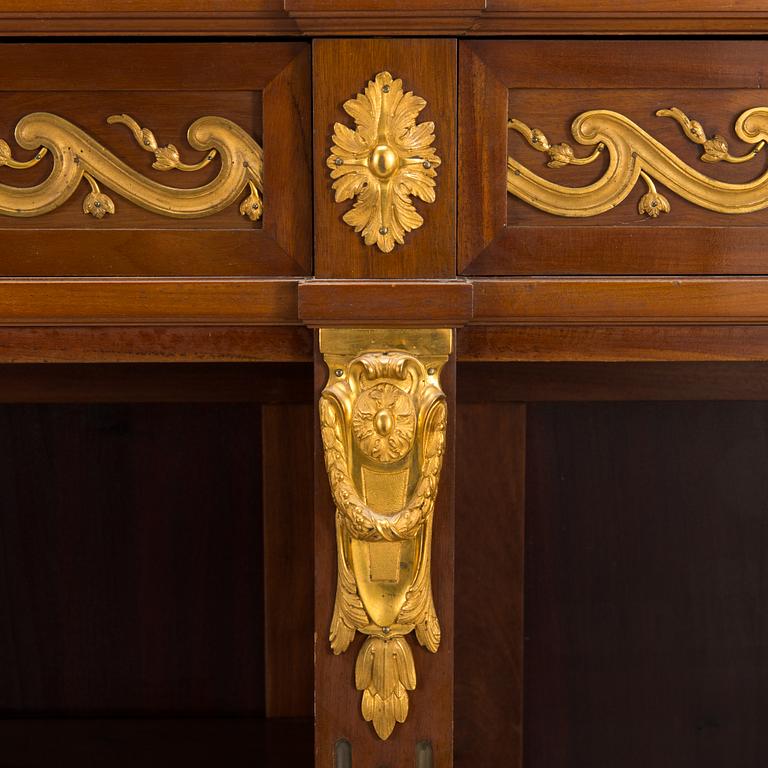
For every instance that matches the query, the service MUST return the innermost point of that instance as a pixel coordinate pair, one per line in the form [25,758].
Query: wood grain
[342,69]
[134,301]
[490,504]
[585,343]
[607,301]
[645,577]
[337,702]
[264,88]
[115,597]
[542,382]
[287,452]
[183,344]
[375,17]
[361,304]
[547,85]
[156,383]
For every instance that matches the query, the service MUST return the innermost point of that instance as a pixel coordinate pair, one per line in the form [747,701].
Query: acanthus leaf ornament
[383,424]
[383,162]
[77,156]
[634,154]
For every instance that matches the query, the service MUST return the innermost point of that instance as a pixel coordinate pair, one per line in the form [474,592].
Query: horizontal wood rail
[375,17]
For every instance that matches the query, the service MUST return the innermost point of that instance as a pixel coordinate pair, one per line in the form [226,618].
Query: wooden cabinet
[401,402]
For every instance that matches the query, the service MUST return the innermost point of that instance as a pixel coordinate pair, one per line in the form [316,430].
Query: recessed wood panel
[546,85]
[646,642]
[261,87]
[131,565]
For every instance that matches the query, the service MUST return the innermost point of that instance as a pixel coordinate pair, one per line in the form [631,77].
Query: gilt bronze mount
[383,162]
[383,420]
[634,154]
[77,156]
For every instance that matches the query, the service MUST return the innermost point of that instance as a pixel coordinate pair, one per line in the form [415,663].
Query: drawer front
[155,159]
[612,157]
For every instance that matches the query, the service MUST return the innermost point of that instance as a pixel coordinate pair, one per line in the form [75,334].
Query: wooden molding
[621,301]
[147,301]
[380,303]
[482,18]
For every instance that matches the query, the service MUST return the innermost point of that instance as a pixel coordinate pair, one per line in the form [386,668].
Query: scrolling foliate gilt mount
[383,162]
[77,156]
[634,154]
[383,422]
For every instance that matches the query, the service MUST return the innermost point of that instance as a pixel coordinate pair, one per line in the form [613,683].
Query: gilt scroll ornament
[77,156]
[383,162]
[634,154]
[383,422]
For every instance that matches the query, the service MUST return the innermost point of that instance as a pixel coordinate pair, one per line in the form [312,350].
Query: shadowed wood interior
[645,571]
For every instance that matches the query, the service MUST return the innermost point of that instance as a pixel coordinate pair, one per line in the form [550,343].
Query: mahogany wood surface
[613,343]
[124,344]
[411,303]
[115,596]
[159,558]
[238,344]
[621,301]
[645,582]
[337,703]
[543,382]
[341,70]
[156,383]
[136,301]
[288,559]
[263,87]
[490,510]
[546,85]
[376,17]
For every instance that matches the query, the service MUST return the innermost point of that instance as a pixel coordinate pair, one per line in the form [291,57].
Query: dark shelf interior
[156,743]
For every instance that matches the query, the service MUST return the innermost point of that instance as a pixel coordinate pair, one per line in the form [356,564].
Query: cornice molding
[358,18]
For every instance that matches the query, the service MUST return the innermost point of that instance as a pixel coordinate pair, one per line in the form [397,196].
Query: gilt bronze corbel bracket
[383,419]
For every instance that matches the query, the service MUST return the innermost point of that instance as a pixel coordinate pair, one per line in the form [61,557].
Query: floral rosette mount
[383,162]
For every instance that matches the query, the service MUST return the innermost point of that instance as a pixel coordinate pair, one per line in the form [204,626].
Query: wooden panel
[341,69]
[730,301]
[612,343]
[337,702]
[116,596]
[565,17]
[287,456]
[334,302]
[490,499]
[373,17]
[533,382]
[92,301]
[547,86]
[645,585]
[188,344]
[264,88]
[155,383]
